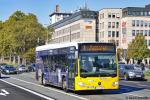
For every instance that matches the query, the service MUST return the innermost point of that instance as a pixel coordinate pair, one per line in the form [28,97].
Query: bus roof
[60,45]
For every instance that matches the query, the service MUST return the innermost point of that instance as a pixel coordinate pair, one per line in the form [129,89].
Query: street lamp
[47,38]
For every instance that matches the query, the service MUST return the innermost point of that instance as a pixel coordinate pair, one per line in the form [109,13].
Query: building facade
[80,26]
[135,20]
[116,25]
[109,25]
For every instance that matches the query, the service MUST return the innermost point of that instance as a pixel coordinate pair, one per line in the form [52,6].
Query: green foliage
[147,73]
[138,49]
[20,34]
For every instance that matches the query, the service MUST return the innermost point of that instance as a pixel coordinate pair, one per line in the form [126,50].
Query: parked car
[31,67]
[22,68]
[147,68]
[137,67]
[9,69]
[129,72]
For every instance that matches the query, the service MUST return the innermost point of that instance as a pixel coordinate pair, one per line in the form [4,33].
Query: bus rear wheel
[64,85]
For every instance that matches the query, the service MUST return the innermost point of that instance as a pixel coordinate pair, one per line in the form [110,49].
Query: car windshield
[129,67]
[96,64]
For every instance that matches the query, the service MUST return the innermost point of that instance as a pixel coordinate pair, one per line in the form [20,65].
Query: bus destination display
[96,48]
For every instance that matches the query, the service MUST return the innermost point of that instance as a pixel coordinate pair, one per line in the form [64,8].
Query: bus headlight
[81,84]
[115,83]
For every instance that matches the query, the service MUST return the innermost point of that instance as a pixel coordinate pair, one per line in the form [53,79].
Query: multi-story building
[80,26]
[135,20]
[57,15]
[109,25]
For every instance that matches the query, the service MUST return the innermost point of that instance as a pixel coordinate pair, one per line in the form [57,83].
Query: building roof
[56,13]
[74,17]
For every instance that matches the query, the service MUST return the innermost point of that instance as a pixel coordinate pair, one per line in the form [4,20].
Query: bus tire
[64,85]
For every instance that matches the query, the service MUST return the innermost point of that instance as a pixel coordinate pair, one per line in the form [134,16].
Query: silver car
[129,72]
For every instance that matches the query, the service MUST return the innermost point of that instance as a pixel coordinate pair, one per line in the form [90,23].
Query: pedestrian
[142,66]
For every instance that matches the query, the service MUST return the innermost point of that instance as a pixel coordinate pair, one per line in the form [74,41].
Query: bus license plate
[100,87]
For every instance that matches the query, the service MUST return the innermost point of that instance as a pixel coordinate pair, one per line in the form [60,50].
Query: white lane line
[51,89]
[134,95]
[143,85]
[38,94]
[130,82]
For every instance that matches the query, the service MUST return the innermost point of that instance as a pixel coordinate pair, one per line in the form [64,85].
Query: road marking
[4,92]
[129,81]
[76,96]
[134,95]
[143,85]
[38,94]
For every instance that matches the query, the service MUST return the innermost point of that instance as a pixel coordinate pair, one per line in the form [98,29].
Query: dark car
[9,69]
[129,72]
[31,67]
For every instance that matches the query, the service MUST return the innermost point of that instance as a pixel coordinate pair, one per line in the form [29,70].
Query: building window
[117,15]
[133,22]
[145,32]
[113,33]
[109,15]
[117,43]
[145,24]
[149,43]
[142,23]
[137,31]
[113,24]
[117,24]
[109,24]
[103,25]
[149,13]
[141,32]
[133,32]
[117,34]
[142,14]
[149,33]
[145,13]
[109,33]
[146,42]
[113,15]
[137,23]
[149,24]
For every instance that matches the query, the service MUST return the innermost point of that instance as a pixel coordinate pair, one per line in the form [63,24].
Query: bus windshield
[98,64]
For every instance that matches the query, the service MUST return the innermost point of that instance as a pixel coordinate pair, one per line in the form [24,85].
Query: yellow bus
[78,66]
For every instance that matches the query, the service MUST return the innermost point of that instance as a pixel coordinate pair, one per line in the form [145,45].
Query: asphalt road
[9,92]
[134,90]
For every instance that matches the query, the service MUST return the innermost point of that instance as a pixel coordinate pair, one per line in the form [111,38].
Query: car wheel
[64,85]
[126,77]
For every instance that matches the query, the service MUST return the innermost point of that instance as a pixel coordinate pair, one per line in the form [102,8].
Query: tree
[20,34]
[138,49]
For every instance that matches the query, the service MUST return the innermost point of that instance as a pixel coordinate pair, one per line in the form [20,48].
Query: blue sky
[42,8]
